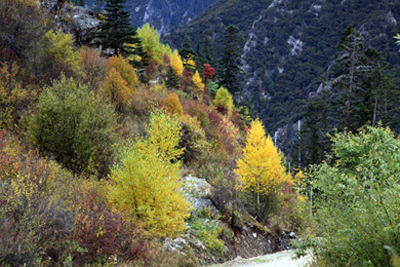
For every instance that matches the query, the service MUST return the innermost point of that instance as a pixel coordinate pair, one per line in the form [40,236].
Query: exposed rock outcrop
[76,20]
[250,240]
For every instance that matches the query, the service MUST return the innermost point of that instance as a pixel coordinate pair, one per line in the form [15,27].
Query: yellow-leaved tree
[164,134]
[145,185]
[261,168]
[189,63]
[152,45]
[11,95]
[199,85]
[57,56]
[176,63]
[223,99]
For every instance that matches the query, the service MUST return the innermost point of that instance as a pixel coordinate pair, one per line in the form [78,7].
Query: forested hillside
[118,150]
[289,46]
[101,146]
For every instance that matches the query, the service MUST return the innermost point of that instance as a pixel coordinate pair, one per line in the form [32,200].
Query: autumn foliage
[209,72]
[145,185]
[176,63]
[223,101]
[126,70]
[173,104]
[94,68]
[261,169]
[199,85]
[92,158]
[12,95]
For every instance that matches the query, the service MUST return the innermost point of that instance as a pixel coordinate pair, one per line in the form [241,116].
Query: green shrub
[208,231]
[358,200]
[74,126]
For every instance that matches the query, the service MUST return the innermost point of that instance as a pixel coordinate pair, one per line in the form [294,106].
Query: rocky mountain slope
[289,45]
[165,14]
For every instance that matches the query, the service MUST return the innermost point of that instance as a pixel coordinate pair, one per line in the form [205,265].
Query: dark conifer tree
[116,30]
[380,95]
[314,142]
[187,53]
[365,91]
[198,58]
[172,80]
[347,79]
[229,66]
[207,44]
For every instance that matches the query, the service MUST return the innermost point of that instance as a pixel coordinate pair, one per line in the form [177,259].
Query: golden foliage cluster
[146,184]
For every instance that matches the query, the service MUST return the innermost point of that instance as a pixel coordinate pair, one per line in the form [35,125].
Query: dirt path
[280,259]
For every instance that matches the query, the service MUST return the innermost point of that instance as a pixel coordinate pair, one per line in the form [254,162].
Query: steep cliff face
[289,45]
[164,14]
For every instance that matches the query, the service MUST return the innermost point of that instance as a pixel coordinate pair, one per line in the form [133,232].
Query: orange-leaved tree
[116,89]
[125,69]
[261,168]
[145,185]
[119,83]
[173,104]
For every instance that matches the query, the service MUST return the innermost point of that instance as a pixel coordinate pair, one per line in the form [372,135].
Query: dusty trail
[280,259]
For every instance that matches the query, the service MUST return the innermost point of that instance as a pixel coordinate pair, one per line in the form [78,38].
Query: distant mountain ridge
[289,45]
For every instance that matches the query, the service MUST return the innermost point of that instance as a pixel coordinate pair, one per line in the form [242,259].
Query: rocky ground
[249,240]
[279,259]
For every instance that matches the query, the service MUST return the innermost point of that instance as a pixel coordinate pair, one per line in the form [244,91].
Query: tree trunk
[375,107]
[258,197]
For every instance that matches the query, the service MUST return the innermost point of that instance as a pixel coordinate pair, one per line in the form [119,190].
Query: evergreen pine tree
[198,57]
[212,88]
[229,67]
[208,58]
[187,53]
[365,91]
[116,30]
[314,141]
[347,79]
[172,80]
[380,95]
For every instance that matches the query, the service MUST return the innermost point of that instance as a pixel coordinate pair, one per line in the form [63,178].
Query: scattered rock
[178,244]
[197,192]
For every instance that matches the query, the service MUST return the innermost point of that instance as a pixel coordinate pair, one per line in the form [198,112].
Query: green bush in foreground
[358,202]
[75,126]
